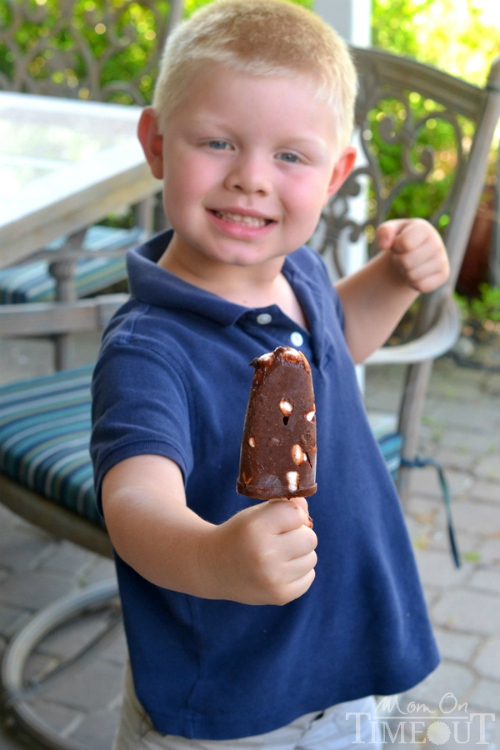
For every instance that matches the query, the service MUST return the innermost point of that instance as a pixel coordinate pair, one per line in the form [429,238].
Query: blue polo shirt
[173,379]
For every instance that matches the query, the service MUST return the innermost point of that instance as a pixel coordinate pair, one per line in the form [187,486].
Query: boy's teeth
[250,221]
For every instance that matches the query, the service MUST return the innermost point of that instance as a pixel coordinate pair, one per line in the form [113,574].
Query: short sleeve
[139,406]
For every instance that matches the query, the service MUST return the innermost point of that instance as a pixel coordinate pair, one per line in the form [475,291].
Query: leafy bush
[483,310]
[456,37]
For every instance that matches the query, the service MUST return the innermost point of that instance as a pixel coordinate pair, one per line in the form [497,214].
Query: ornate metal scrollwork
[403,140]
[103,50]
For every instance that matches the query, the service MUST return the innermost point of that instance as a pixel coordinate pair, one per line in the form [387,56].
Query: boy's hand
[264,554]
[417,251]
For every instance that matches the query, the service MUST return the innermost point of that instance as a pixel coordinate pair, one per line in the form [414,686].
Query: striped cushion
[33,283]
[45,430]
[44,438]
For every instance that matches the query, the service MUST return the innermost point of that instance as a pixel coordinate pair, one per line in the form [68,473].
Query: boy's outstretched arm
[264,554]
[412,259]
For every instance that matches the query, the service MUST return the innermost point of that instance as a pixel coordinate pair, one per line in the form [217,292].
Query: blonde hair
[261,38]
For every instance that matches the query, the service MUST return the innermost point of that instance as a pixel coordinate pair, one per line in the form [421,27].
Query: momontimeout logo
[416,723]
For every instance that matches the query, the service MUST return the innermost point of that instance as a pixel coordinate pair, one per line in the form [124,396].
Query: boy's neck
[253,287]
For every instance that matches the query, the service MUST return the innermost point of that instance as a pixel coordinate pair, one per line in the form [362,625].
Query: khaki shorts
[326,730]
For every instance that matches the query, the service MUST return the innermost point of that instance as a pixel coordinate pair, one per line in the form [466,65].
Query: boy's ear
[151,141]
[341,171]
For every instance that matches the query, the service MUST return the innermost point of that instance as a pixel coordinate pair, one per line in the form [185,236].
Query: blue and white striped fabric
[32,282]
[44,438]
[45,434]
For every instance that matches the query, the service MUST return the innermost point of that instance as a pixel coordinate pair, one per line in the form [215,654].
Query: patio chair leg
[16,693]
[416,385]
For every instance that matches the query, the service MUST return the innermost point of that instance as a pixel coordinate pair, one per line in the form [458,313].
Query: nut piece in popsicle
[278,449]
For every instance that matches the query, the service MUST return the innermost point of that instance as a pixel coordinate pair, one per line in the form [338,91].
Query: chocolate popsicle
[278,449]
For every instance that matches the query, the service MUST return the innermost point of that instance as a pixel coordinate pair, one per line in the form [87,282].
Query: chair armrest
[432,344]
[49,318]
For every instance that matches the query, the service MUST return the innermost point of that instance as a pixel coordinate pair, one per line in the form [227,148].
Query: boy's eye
[288,157]
[218,145]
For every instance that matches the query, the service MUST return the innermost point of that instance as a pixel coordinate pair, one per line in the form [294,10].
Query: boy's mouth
[248,221]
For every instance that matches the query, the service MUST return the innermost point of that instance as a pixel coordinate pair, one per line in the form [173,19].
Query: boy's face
[247,163]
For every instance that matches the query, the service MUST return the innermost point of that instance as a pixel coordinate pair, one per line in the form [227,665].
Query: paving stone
[447,678]
[489,468]
[469,545]
[491,384]
[429,510]
[6,517]
[469,611]
[96,685]
[35,590]
[117,651]
[486,697]
[456,646]
[420,534]
[486,491]
[438,570]
[11,619]
[487,662]
[59,718]
[476,517]
[426,482]
[486,580]
[431,596]
[462,458]
[477,443]
[38,666]
[67,557]
[478,417]
[490,550]
[101,570]
[69,639]
[455,388]
[20,551]
[97,731]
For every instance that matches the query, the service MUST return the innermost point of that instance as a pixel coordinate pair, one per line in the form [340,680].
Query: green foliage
[119,36]
[485,307]
[458,36]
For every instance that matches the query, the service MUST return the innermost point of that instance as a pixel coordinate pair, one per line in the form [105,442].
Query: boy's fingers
[302,503]
[299,504]
[286,515]
[403,235]
[388,231]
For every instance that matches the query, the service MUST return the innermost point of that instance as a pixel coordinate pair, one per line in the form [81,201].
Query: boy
[249,132]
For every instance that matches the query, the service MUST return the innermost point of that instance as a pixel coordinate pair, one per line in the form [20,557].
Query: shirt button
[264,319]
[297,338]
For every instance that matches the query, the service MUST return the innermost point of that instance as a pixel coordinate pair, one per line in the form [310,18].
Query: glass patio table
[64,164]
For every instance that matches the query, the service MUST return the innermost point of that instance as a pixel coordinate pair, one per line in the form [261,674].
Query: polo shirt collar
[154,285]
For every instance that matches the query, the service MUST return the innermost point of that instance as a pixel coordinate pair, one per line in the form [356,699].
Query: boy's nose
[249,175]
